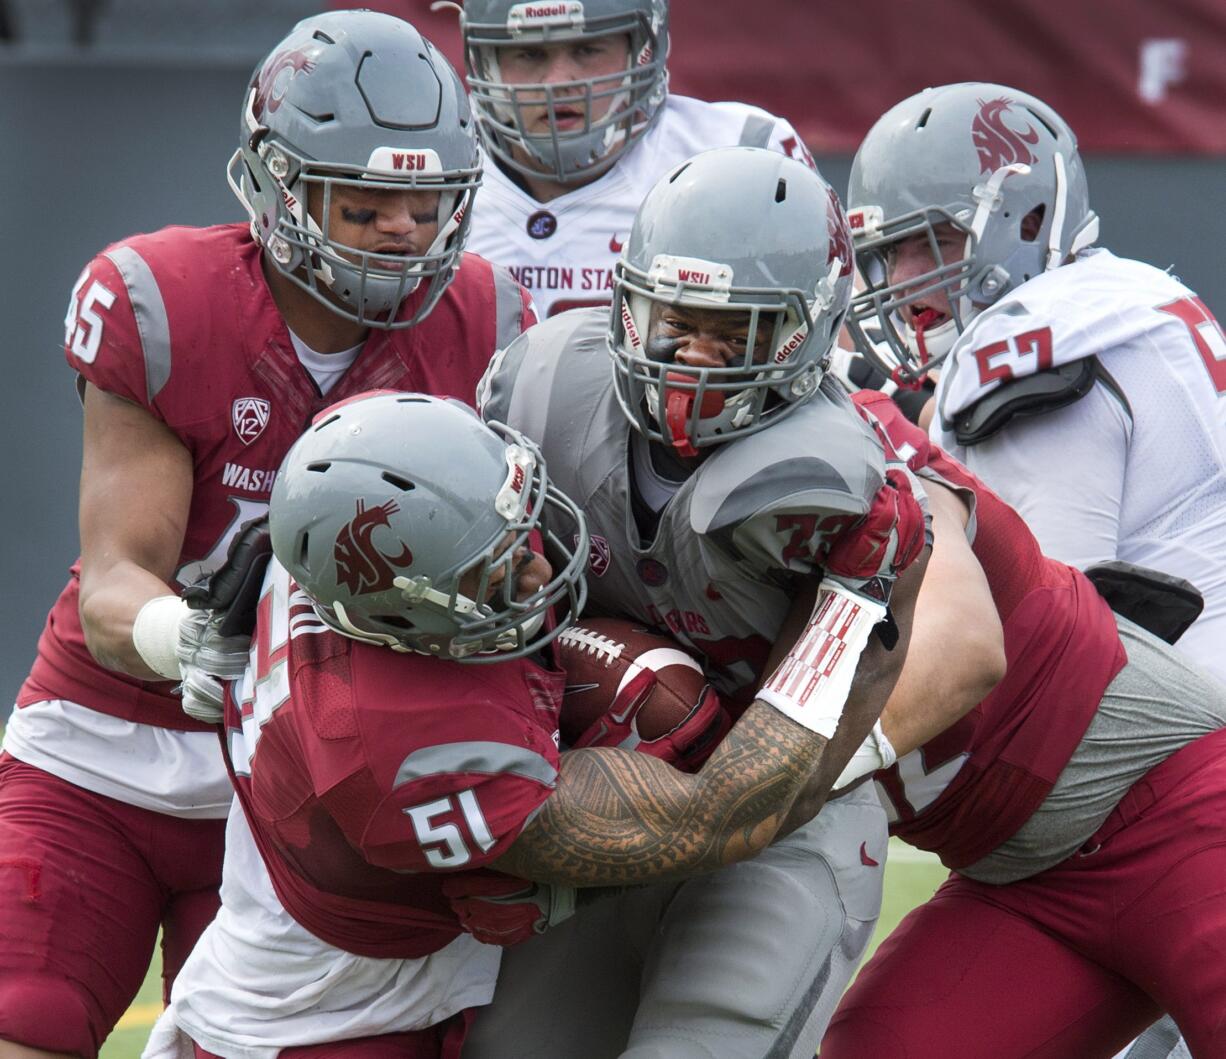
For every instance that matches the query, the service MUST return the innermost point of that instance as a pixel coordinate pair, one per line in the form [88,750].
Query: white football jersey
[563,250]
[1138,474]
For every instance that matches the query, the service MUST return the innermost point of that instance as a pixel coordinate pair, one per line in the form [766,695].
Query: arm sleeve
[1063,472]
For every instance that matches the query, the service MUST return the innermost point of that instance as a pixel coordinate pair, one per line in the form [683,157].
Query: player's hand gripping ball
[630,688]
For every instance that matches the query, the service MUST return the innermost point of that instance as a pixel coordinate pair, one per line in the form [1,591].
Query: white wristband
[876,752]
[814,678]
[155,634]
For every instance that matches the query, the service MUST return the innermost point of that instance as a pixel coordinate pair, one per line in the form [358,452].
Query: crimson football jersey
[971,787]
[366,774]
[181,322]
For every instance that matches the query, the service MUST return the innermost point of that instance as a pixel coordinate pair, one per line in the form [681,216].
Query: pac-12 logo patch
[599,555]
[249,416]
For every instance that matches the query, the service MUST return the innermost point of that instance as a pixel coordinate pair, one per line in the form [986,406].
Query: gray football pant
[746,963]
[1160,1041]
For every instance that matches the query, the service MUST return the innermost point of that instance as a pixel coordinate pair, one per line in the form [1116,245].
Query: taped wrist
[155,634]
[813,680]
[876,752]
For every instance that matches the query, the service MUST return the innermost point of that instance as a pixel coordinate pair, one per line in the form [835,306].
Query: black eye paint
[662,349]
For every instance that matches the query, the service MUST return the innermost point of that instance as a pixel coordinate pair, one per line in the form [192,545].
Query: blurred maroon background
[1128,75]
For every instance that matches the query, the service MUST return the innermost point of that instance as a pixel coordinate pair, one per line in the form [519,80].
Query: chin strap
[679,408]
[922,322]
[918,326]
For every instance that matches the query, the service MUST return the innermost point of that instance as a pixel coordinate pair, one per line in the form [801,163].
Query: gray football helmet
[356,98]
[390,501]
[746,230]
[635,94]
[983,158]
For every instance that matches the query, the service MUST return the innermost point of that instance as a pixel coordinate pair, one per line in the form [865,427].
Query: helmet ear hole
[401,483]
[1032,223]
[1035,113]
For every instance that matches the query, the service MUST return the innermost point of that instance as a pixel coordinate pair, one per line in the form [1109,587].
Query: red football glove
[685,747]
[502,910]
[887,540]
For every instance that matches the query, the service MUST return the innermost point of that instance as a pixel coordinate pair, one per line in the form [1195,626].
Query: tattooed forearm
[877,673]
[620,818]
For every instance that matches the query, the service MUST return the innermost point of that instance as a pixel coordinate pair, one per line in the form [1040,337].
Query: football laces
[604,648]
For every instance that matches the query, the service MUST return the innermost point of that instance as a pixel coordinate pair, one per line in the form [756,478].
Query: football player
[723,478]
[577,124]
[984,263]
[397,728]
[1081,808]
[201,354]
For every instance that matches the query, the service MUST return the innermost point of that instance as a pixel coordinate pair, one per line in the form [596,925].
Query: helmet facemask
[631,97]
[904,351]
[690,408]
[363,286]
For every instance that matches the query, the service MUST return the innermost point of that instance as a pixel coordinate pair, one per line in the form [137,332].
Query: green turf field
[909,879]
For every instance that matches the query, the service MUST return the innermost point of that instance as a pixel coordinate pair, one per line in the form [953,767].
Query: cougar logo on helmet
[840,235]
[360,566]
[275,79]
[995,141]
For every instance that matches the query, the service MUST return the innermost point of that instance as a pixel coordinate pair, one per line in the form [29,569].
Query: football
[602,655]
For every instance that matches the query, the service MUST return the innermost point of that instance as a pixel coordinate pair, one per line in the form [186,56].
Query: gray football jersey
[756,516]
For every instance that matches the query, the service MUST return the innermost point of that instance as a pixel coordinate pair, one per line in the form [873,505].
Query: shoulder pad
[521,380]
[778,496]
[1160,603]
[1029,395]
